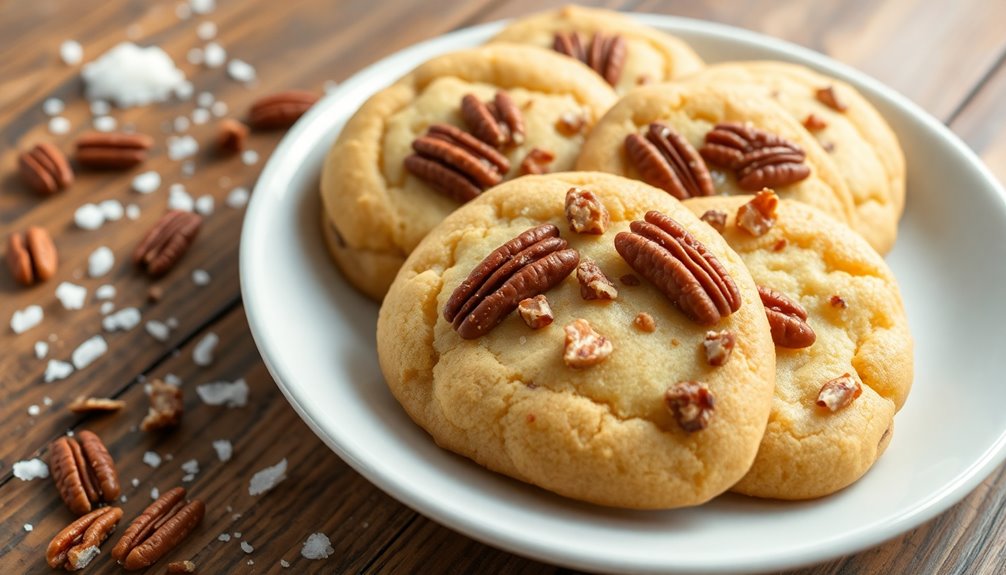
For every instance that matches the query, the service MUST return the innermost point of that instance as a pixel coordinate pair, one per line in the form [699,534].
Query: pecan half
[585,212]
[787,320]
[691,403]
[231,136]
[604,54]
[83,471]
[583,346]
[456,163]
[31,256]
[167,242]
[758,216]
[112,150]
[84,404]
[280,110]
[681,267]
[536,162]
[644,322]
[498,123]
[829,97]
[715,218]
[158,530]
[530,264]
[759,159]
[571,123]
[719,345]
[166,407]
[839,392]
[666,160]
[536,312]
[593,283]
[79,542]
[45,169]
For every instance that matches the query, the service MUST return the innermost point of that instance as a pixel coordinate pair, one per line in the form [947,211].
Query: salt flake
[246,547]
[237,198]
[158,330]
[125,319]
[112,210]
[71,52]
[72,296]
[224,449]
[147,182]
[89,217]
[31,469]
[131,76]
[100,262]
[58,125]
[41,349]
[224,393]
[267,478]
[240,71]
[88,351]
[317,546]
[25,319]
[56,370]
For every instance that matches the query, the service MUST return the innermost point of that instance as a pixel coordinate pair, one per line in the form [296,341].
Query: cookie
[846,125]
[859,338]
[626,53]
[595,404]
[417,150]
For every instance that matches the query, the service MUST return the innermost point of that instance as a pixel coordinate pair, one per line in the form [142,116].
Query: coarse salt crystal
[87,352]
[237,198]
[172,379]
[249,157]
[251,562]
[147,182]
[89,217]
[267,478]
[158,330]
[56,370]
[206,31]
[28,527]
[202,6]
[184,90]
[136,482]
[200,116]
[284,563]
[194,56]
[104,123]
[224,449]
[246,547]
[100,108]
[214,55]
[47,401]
[34,410]
[41,349]
[53,107]
[202,353]
[123,499]
[71,52]
[219,109]
[171,322]
[179,199]
[105,291]
[317,546]
[188,168]
[58,125]
[72,296]
[205,99]
[224,393]
[100,262]
[204,205]
[112,210]
[240,71]
[125,319]
[191,466]
[24,319]
[107,307]
[154,493]
[237,535]
[181,124]
[133,212]
[181,147]
[132,76]
[200,277]
[31,469]
[224,537]
[152,459]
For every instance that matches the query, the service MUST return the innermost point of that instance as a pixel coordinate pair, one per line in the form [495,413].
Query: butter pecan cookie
[416,151]
[844,352]
[554,329]
[624,53]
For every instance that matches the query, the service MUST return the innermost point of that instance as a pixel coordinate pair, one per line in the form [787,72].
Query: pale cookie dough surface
[600,434]
[809,451]
[651,56]
[693,110]
[379,210]
[862,145]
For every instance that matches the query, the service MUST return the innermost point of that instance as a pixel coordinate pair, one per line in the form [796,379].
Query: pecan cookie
[456,125]
[576,360]
[623,52]
[844,352]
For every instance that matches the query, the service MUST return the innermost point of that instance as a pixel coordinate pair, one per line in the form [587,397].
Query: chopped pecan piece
[584,347]
[585,212]
[630,280]
[681,267]
[530,264]
[644,322]
[167,242]
[181,567]
[45,169]
[759,159]
[571,123]
[79,542]
[231,136]
[536,162]
[158,530]
[604,54]
[536,312]
[829,97]
[758,216]
[814,123]
[166,407]
[117,151]
[691,403]
[780,245]
[31,257]
[787,319]
[498,123]
[84,404]
[715,218]
[280,110]
[593,283]
[83,471]
[665,159]
[837,301]
[456,163]
[719,345]
[839,392]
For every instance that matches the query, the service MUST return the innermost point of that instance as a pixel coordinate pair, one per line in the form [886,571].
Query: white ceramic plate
[316,336]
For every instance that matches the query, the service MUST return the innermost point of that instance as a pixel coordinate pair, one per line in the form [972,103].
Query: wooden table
[948,56]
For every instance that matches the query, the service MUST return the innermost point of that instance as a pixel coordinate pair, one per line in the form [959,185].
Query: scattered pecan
[839,392]
[83,471]
[604,54]
[84,404]
[158,530]
[78,543]
[630,280]
[536,162]
[780,245]
[829,97]
[231,136]
[31,256]
[838,301]
[664,253]
[498,123]
[814,123]
[715,218]
[584,347]
[570,123]
[536,312]
[691,403]
[585,212]
[759,159]
[181,567]
[758,216]
[530,264]
[166,407]
[719,345]
[665,159]
[280,110]
[593,283]
[45,169]
[167,242]
[787,320]
[644,322]
[456,163]
[112,150]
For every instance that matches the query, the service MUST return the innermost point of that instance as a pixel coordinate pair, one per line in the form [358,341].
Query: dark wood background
[946,55]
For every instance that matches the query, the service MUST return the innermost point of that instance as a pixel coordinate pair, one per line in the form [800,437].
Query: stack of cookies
[624,276]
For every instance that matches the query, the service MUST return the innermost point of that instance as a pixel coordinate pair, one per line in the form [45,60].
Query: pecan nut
[814,123]
[758,216]
[116,151]
[498,123]
[45,169]
[455,163]
[759,159]
[536,162]
[83,471]
[666,160]
[715,218]
[584,347]
[691,403]
[160,528]
[680,266]
[719,345]
[839,392]
[571,123]
[280,110]
[593,283]
[536,312]
[829,97]
[167,242]
[530,264]
[604,54]
[166,407]
[585,212]
[787,320]
[84,404]
[181,567]
[31,256]
[231,136]
[644,322]
[79,542]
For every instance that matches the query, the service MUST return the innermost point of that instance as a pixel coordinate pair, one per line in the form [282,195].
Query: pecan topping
[456,163]
[780,245]
[280,110]
[839,392]
[536,312]
[181,567]
[571,123]
[529,264]
[536,162]
[167,242]
[85,404]
[759,159]
[828,97]
[604,54]
[691,403]
[231,136]
[814,123]
[83,471]
[112,150]
[584,347]
[644,322]
[758,216]
[664,253]
[498,123]
[715,218]
[31,256]
[593,283]
[45,169]
[787,320]
[837,301]
[166,407]
[719,345]
[78,543]
[158,530]
[585,212]
[665,159]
